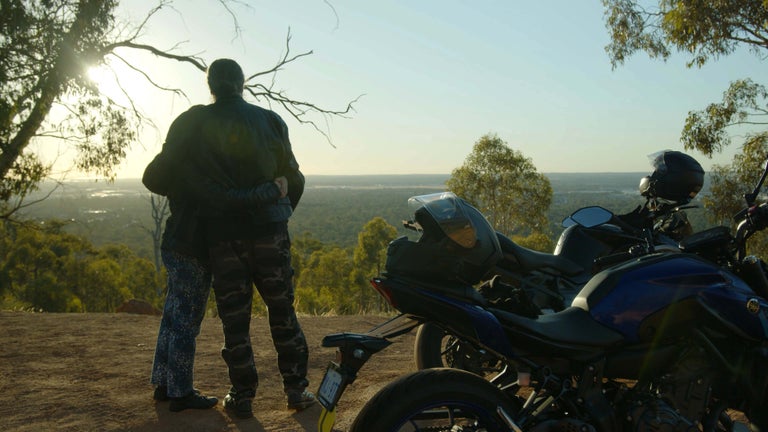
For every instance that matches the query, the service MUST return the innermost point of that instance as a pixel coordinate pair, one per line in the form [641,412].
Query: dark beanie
[225,77]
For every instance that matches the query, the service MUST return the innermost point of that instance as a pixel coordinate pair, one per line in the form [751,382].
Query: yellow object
[326,420]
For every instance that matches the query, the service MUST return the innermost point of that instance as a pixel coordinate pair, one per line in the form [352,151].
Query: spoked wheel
[437,400]
[434,348]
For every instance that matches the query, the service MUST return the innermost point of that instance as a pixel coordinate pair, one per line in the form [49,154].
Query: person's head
[225,78]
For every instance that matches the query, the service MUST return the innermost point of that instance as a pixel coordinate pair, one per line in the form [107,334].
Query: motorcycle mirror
[567,222]
[591,216]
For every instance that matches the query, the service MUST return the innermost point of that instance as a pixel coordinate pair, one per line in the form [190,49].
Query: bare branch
[20,203]
[137,31]
[149,79]
[191,59]
[235,22]
[299,109]
[296,108]
[333,9]
[283,61]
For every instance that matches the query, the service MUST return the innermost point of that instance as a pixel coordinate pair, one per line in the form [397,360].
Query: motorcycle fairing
[739,309]
[460,303]
[660,296]
[469,319]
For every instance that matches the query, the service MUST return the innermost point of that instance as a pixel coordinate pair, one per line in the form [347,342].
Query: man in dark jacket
[239,148]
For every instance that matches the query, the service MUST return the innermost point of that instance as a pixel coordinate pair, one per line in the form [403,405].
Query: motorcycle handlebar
[758,217]
[626,227]
[752,220]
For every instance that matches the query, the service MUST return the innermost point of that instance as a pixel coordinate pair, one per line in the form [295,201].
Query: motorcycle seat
[529,260]
[571,326]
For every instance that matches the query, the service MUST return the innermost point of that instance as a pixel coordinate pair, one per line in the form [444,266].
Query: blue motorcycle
[530,283]
[662,341]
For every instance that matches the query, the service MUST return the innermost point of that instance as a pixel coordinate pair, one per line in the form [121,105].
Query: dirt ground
[90,372]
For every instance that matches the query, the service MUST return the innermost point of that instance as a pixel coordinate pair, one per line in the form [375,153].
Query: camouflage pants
[189,284]
[266,263]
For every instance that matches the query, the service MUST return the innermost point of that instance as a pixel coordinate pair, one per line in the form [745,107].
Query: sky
[433,77]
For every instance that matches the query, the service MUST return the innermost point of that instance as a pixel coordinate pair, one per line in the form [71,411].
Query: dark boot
[192,401]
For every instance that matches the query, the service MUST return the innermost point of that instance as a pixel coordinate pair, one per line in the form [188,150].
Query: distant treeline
[88,247]
[333,209]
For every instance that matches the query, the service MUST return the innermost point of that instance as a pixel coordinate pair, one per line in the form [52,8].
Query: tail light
[381,287]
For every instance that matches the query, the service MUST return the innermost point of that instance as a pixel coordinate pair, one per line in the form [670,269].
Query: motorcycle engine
[678,402]
[659,417]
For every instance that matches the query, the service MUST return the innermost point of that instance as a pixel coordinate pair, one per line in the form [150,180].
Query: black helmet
[457,243]
[676,177]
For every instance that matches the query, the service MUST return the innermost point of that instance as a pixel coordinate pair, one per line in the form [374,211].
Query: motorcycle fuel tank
[665,296]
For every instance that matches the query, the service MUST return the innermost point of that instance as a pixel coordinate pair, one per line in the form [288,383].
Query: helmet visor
[448,211]
[657,161]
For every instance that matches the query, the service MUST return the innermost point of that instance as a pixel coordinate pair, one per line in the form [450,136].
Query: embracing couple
[232,183]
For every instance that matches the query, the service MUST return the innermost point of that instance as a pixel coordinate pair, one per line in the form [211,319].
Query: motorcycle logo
[753,305]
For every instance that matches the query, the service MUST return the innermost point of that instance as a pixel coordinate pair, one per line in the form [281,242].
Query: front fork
[352,351]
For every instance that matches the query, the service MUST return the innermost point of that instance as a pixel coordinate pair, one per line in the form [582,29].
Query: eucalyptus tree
[369,257]
[505,186]
[705,31]
[47,48]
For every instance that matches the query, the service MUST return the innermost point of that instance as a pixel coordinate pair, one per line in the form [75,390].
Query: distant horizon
[381,175]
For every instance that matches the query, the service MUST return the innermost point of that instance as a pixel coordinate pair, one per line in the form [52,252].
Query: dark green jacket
[217,167]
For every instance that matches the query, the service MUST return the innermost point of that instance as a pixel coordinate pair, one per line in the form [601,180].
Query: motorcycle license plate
[331,387]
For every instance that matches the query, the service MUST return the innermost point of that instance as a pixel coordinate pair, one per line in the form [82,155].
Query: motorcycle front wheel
[434,348]
[437,400]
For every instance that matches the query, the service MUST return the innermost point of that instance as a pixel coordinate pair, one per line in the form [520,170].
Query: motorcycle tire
[434,348]
[437,399]
[428,346]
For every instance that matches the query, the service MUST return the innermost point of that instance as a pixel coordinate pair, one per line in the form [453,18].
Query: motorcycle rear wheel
[428,346]
[437,400]
[434,348]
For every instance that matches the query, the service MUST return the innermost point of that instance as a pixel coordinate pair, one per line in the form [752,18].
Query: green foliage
[369,258]
[107,132]
[324,283]
[536,241]
[705,29]
[334,280]
[744,103]
[726,196]
[505,186]
[43,268]
[730,183]
[371,250]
